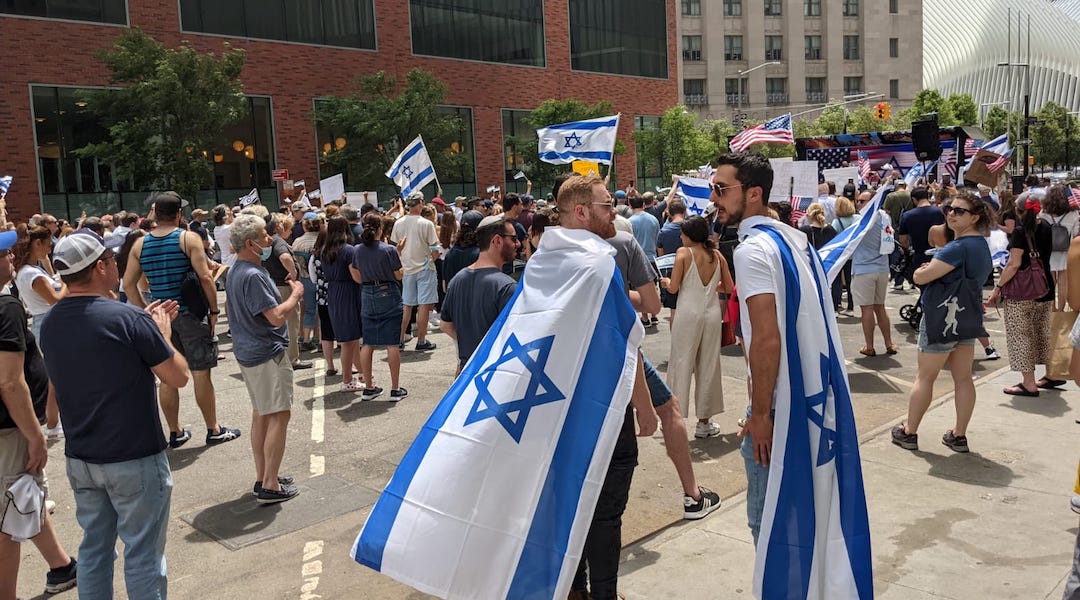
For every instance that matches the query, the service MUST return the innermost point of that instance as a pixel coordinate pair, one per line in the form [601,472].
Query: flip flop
[1049,384]
[1020,390]
[867,352]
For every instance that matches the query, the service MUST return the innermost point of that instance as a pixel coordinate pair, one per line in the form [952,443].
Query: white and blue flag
[814,541]
[593,140]
[837,252]
[5,183]
[918,170]
[412,169]
[695,192]
[998,145]
[249,198]
[495,496]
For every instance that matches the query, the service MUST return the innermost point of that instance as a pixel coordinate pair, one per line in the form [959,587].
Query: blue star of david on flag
[407,171]
[815,403]
[514,414]
[572,141]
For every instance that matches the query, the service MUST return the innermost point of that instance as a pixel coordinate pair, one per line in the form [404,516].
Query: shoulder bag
[1029,283]
[953,311]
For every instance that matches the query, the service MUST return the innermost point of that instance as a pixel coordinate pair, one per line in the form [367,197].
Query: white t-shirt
[221,236]
[24,280]
[623,224]
[419,236]
[758,270]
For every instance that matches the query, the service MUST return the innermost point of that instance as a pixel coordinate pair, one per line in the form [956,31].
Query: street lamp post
[982,117]
[741,73]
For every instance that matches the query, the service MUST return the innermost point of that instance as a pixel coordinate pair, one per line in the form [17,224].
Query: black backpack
[1060,238]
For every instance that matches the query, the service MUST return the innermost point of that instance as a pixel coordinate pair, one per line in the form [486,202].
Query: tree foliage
[997,122]
[382,116]
[963,109]
[171,106]
[679,144]
[931,101]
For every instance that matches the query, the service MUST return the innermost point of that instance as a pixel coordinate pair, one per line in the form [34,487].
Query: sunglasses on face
[957,210]
[719,189]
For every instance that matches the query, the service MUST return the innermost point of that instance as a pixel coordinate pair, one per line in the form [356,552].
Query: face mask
[264,253]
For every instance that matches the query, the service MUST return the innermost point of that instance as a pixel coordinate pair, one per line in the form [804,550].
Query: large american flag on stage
[774,131]
[900,156]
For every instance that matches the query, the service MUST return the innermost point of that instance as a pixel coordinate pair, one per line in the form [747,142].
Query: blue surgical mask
[264,253]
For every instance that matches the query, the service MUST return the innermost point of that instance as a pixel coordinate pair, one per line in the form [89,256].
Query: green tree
[996,122]
[861,120]
[963,109]
[171,106]
[552,112]
[678,145]
[382,116]
[1048,139]
[930,100]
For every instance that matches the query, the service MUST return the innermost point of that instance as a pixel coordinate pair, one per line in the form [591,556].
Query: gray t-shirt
[637,270]
[250,291]
[473,301]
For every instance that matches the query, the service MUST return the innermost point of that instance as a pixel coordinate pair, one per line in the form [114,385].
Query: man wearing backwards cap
[115,448]
[23,391]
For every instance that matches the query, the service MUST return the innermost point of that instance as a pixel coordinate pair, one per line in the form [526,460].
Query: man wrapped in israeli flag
[495,496]
[806,507]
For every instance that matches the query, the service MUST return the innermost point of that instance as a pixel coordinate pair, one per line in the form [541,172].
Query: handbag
[191,292]
[1029,283]
[952,311]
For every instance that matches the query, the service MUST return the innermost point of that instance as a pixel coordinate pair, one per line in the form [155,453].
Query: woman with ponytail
[37,288]
[342,296]
[699,276]
[376,266]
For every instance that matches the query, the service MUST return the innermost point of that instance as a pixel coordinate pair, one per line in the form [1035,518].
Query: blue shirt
[646,228]
[250,291]
[868,258]
[165,265]
[377,262]
[969,254]
[99,353]
[670,237]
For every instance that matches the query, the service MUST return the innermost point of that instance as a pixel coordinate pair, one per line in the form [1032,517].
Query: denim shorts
[420,288]
[927,347]
[658,390]
[380,314]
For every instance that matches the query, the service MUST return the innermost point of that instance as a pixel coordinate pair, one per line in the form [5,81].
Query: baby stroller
[912,313]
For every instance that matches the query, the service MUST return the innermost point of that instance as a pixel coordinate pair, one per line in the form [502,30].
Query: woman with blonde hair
[820,233]
[845,216]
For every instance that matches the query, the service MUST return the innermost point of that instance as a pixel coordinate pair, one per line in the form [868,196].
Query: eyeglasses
[719,189]
[607,205]
[957,210]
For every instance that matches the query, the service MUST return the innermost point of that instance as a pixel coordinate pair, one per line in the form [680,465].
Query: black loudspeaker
[926,140]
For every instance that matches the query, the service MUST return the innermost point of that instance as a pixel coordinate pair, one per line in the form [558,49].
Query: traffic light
[881,111]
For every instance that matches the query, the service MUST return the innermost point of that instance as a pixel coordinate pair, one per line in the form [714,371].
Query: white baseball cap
[77,251]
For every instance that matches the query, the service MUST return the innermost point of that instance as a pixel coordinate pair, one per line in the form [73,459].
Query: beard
[730,219]
[509,252]
[601,227]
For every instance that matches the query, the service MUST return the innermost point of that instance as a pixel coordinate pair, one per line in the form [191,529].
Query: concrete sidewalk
[994,523]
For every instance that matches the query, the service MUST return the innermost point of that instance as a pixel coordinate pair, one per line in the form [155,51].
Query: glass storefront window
[508,31]
[98,11]
[347,23]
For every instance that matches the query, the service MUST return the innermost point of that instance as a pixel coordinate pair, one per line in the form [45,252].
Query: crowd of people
[330,278]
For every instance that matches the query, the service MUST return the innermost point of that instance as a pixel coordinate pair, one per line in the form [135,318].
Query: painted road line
[311,570]
[317,464]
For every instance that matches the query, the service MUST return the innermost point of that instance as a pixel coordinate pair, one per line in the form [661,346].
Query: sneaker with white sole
[696,509]
[398,394]
[54,433]
[64,578]
[1074,504]
[991,353]
[371,393]
[222,435]
[286,493]
[706,430]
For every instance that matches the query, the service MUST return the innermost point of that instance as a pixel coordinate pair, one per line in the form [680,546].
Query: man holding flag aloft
[808,515]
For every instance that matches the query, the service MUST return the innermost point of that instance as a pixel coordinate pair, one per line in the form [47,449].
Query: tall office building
[822,50]
[499,61]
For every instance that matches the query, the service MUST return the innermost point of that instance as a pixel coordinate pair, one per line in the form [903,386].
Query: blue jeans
[757,481]
[130,499]
[311,309]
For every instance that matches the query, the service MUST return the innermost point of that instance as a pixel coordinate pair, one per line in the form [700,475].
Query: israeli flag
[917,171]
[695,192]
[5,183]
[412,169]
[837,252]
[593,140]
[998,145]
[495,496]
[249,198]
[815,533]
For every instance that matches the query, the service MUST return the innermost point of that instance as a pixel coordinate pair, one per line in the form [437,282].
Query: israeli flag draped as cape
[815,533]
[495,496]
[695,192]
[840,248]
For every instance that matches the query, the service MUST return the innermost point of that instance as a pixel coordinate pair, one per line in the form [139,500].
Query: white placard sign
[333,188]
[840,176]
[362,198]
[805,179]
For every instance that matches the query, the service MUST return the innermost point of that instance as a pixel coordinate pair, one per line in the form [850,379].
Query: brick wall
[294,74]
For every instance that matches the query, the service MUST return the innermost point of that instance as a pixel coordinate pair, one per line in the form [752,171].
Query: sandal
[891,349]
[867,351]
[331,372]
[353,386]
[1020,390]
[1049,384]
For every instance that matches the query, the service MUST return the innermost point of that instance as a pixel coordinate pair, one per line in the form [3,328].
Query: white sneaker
[706,430]
[50,506]
[433,320]
[1074,504]
[991,353]
[54,433]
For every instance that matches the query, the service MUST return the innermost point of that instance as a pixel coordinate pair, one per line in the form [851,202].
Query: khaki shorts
[869,289]
[14,452]
[270,385]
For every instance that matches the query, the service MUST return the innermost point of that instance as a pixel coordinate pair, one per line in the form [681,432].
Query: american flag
[1073,195]
[1000,163]
[971,147]
[799,204]
[864,165]
[775,131]
[828,158]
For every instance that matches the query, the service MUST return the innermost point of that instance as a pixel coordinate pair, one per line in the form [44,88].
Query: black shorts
[192,339]
[326,327]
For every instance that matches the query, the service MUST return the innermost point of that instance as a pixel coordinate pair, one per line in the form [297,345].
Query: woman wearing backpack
[1064,226]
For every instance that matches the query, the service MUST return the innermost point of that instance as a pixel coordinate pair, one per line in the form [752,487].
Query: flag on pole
[520,175]
[592,140]
[5,183]
[918,170]
[998,145]
[706,171]
[250,198]
[495,496]
[1002,162]
[837,252]
[864,165]
[1073,195]
[695,193]
[774,131]
[412,169]
[814,540]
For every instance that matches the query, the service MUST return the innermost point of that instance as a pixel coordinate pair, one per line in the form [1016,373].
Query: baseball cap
[8,239]
[438,200]
[488,204]
[198,212]
[620,194]
[77,251]
[414,199]
[310,215]
[162,198]
[472,218]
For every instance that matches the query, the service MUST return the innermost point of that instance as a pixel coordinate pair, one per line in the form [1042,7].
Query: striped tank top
[165,265]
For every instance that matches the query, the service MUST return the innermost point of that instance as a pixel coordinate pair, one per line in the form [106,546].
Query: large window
[851,47]
[815,89]
[812,47]
[774,8]
[507,31]
[733,92]
[691,8]
[733,47]
[894,47]
[691,47]
[732,8]
[624,37]
[776,90]
[774,47]
[811,8]
[518,132]
[348,23]
[97,11]
[243,157]
[851,8]
[694,92]
[852,86]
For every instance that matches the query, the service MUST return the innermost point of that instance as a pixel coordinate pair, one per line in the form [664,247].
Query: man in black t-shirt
[24,387]
[915,224]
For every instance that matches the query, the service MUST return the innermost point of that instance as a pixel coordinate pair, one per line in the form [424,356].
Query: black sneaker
[302,364]
[286,493]
[64,578]
[222,435]
[991,353]
[696,509]
[371,393]
[907,441]
[956,443]
[425,345]
[177,440]
[398,394]
[282,480]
